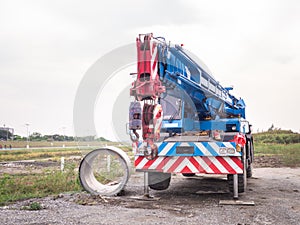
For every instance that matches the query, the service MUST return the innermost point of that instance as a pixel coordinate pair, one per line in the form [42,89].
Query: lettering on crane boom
[184,150]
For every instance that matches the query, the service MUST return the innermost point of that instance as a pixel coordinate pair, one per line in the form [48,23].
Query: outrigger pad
[236,202]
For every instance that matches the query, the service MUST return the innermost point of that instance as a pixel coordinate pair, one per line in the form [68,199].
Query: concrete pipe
[105,171]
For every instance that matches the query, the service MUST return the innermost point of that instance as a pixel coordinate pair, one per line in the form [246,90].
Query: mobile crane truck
[181,120]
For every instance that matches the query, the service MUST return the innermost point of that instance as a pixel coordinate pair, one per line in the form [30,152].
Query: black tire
[249,170]
[249,156]
[188,174]
[241,186]
[159,181]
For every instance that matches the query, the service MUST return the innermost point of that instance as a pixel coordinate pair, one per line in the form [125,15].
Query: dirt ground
[194,200]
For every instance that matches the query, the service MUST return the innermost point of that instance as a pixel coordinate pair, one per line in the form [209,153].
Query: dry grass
[34,144]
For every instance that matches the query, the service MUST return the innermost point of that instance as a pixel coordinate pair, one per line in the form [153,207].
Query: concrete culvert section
[105,171]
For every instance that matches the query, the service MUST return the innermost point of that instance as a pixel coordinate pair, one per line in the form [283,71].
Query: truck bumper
[192,157]
[191,164]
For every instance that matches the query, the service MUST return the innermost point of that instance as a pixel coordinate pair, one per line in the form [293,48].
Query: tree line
[36,136]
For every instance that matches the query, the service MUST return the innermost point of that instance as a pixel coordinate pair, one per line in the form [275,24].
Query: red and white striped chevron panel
[191,164]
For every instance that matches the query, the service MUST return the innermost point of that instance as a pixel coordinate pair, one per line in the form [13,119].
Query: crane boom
[167,72]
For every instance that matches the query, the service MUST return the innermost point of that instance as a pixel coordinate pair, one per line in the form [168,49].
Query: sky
[47,47]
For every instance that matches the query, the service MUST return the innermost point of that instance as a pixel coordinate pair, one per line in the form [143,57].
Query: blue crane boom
[214,105]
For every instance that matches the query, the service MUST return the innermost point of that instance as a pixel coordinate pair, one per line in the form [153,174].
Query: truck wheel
[240,183]
[249,171]
[188,174]
[159,181]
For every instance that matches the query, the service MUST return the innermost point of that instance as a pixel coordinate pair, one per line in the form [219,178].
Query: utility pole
[27,125]
[64,129]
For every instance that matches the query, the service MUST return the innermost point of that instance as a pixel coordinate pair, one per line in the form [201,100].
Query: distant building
[6,133]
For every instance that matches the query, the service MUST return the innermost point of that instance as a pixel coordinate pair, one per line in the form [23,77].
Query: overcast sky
[46,47]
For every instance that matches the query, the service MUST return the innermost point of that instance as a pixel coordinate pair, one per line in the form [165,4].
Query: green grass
[26,154]
[14,187]
[33,206]
[284,144]
[8,155]
[23,144]
[277,137]
[290,154]
[23,186]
